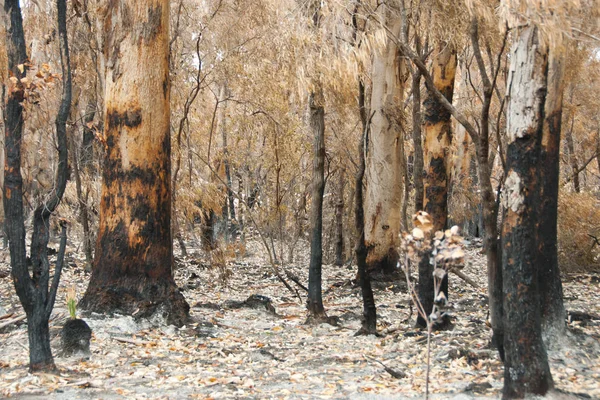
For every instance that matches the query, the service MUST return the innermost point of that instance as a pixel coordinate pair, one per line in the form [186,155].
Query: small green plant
[71,303]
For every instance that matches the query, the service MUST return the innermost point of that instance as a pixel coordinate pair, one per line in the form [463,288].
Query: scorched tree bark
[36,293]
[526,369]
[133,258]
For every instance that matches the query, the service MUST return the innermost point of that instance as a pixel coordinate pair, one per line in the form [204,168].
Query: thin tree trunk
[339,221]
[83,207]
[526,369]
[550,285]
[36,293]
[230,205]
[417,141]
[369,321]
[132,270]
[573,156]
[315,299]
[438,138]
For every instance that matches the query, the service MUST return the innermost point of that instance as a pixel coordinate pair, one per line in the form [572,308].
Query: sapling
[76,333]
[447,254]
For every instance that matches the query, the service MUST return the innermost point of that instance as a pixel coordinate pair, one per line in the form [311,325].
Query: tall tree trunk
[132,270]
[223,123]
[438,138]
[384,192]
[36,293]
[339,220]
[77,158]
[317,123]
[369,321]
[526,369]
[550,285]
[417,141]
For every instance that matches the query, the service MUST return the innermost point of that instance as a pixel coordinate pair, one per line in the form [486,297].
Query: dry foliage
[578,232]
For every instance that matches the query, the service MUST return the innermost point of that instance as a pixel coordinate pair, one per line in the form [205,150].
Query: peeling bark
[550,285]
[133,259]
[385,149]
[438,138]
[526,369]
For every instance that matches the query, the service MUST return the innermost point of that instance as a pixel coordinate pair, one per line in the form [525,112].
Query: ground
[252,353]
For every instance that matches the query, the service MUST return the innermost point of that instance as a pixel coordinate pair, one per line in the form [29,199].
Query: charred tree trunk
[317,123]
[36,293]
[526,369]
[550,285]
[132,270]
[417,141]
[339,221]
[438,138]
[369,321]
[384,159]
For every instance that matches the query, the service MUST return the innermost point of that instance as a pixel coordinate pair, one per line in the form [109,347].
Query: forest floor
[253,353]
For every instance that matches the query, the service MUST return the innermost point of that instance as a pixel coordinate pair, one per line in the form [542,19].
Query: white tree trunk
[384,191]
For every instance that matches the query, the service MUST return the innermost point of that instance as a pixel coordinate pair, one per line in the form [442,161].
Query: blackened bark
[339,221]
[417,141]
[132,271]
[526,369]
[369,321]
[315,299]
[488,200]
[36,293]
[550,285]
[438,137]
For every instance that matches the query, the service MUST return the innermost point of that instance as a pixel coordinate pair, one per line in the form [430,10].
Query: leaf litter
[238,348]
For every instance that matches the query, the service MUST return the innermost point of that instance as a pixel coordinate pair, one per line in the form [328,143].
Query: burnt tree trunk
[417,141]
[369,321]
[339,221]
[526,369]
[132,270]
[36,293]
[550,285]
[438,138]
[317,123]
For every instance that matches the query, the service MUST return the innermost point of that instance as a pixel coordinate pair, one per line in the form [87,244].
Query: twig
[12,321]
[464,278]
[396,374]
[131,341]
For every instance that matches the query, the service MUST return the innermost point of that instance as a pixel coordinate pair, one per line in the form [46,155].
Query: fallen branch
[132,341]
[464,278]
[295,279]
[12,321]
[396,374]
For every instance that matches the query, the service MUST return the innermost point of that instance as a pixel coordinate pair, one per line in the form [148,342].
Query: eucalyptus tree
[132,271]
